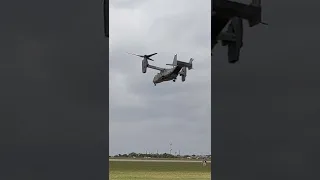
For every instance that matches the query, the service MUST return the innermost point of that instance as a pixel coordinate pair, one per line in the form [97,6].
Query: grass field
[131,170]
[156,158]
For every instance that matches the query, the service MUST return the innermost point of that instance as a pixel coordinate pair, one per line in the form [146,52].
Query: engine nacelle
[183,78]
[144,65]
[235,27]
[183,74]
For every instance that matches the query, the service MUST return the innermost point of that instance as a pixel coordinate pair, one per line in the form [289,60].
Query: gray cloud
[126,4]
[144,117]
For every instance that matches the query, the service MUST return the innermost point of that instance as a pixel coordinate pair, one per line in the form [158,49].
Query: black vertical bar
[106,17]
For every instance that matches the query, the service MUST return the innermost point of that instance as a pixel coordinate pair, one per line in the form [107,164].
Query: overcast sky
[144,117]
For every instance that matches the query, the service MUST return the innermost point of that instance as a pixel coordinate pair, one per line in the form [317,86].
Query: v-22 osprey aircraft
[166,74]
[225,11]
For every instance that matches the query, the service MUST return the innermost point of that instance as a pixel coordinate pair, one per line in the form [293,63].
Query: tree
[133,154]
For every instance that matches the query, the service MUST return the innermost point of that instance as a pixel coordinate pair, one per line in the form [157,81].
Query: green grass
[124,170]
[155,158]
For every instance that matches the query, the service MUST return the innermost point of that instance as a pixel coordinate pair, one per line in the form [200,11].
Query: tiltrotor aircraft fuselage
[166,74]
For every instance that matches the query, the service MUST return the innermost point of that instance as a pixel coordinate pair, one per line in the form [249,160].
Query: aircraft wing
[156,68]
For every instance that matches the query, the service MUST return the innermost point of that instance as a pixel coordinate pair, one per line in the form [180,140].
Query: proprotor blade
[136,55]
[151,55]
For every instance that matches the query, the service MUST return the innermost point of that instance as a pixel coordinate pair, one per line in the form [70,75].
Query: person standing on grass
[204,162]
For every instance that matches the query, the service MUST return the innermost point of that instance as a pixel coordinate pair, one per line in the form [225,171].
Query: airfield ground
[129,169]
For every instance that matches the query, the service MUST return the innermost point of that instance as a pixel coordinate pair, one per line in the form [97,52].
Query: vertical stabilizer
[190,62]
[175,59]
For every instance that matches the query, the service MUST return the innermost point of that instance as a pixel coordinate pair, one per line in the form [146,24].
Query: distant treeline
[158,155]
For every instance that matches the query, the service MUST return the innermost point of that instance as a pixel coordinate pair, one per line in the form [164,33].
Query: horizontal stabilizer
[230,9]
[181,63]
[184,64]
